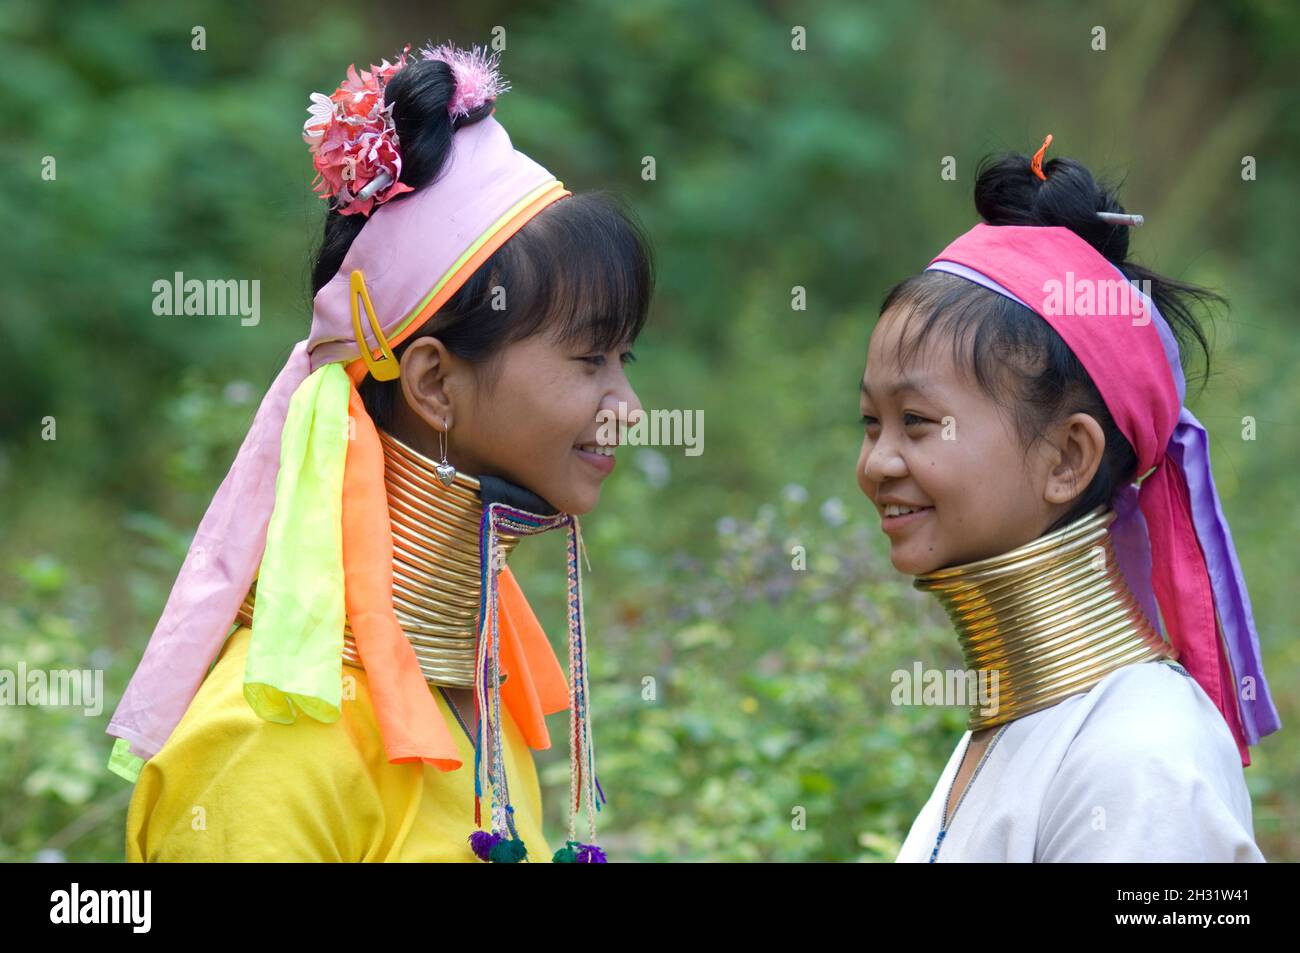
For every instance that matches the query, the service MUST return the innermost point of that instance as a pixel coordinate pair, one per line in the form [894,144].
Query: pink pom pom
[475,73]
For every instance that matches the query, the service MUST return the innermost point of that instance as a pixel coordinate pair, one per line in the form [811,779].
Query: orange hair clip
[1037,164]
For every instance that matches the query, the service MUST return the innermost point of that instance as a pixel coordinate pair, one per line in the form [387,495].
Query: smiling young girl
[1034,467]
[471,323]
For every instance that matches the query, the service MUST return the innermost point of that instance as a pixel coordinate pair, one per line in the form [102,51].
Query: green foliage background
[775,168]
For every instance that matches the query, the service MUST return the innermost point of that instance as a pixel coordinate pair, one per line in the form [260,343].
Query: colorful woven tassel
[482,842]
[574,852]
[502,843]
[510,851]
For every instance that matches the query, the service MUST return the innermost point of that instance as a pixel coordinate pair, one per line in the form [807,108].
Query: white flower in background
[654,465]
[794,493]
[834,512]
[237,392]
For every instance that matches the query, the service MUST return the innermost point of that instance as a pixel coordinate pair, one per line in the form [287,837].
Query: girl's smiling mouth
[892,519]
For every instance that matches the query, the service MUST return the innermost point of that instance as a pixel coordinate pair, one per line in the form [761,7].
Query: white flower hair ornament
[352,137]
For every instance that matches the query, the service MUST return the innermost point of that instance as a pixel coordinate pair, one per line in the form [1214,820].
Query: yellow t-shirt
[229,786]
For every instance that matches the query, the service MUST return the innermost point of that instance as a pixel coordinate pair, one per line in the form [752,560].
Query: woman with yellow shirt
[350,568]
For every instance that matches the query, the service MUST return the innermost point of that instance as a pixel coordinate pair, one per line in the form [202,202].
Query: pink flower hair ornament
[351,133]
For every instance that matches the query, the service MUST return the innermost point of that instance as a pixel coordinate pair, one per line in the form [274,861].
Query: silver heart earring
[446,472]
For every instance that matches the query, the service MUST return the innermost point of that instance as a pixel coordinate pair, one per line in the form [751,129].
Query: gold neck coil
[1052,617]
[437,581]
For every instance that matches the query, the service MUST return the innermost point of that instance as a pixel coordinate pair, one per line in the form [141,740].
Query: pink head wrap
[1170,536]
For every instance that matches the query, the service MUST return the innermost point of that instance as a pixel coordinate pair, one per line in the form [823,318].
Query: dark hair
[1015,353]
[582,268]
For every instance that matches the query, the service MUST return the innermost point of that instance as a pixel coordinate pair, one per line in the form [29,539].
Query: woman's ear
[1080,445]
[430,381]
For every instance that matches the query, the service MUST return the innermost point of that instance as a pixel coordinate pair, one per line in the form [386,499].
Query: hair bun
[1007,192]
[445,89]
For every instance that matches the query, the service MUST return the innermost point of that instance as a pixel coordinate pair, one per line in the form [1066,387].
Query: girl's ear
[1079,447]
[430,381]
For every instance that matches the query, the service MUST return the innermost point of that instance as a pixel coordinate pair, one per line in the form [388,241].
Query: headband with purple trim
[1170,535]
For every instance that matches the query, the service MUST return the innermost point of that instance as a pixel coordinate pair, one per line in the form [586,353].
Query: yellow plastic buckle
[385,368]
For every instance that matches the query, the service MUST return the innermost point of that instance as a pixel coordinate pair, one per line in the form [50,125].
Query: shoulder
[228,785]
[1151,774]
[220,719]
[1156,711]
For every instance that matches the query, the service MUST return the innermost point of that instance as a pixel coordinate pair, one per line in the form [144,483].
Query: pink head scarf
[1170,535]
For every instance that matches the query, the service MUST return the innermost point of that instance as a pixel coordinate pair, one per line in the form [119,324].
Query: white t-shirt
[1141,767]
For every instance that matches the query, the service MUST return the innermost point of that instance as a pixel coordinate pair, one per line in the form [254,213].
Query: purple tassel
[590,854]
[482,842]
